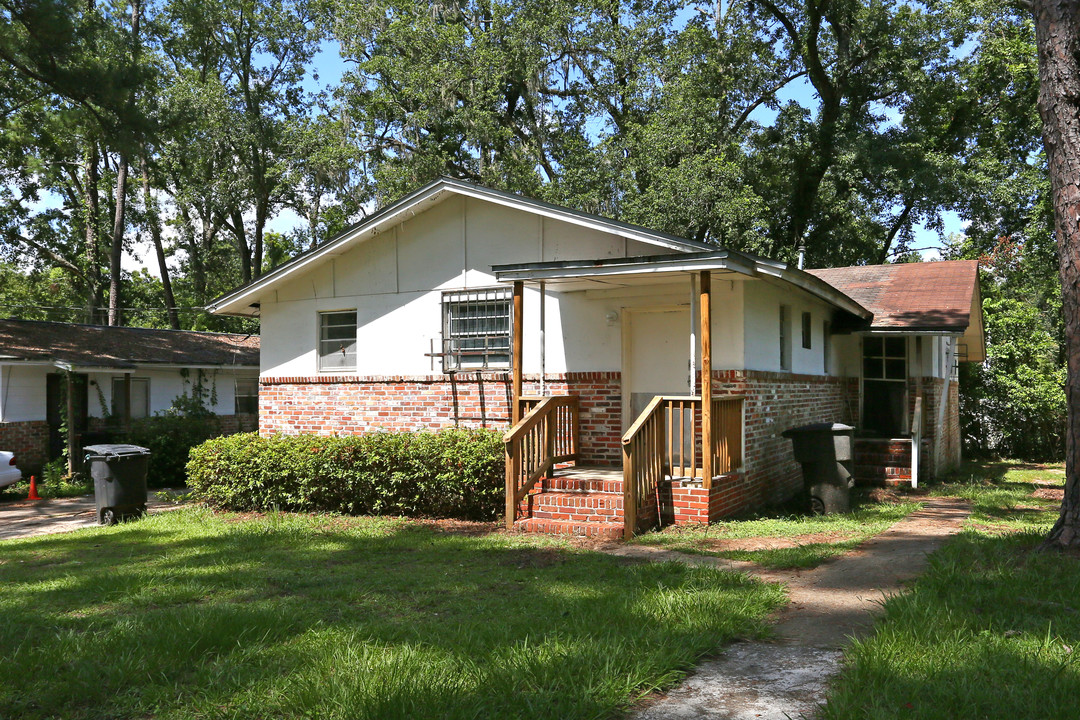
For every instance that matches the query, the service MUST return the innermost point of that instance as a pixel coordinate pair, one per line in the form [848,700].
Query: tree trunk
[91,233]
[117,242]
[1057,34]
[154,221]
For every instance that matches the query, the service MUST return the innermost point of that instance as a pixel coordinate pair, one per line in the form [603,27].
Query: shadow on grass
[992,630]
[186,615]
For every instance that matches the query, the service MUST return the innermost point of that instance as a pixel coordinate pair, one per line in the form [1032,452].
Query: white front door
[656,356]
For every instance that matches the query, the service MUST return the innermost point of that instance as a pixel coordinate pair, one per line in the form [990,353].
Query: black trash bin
[825,452]
[119,473]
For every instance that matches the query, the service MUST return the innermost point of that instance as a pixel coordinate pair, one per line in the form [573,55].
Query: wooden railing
[546,434]
[665,441]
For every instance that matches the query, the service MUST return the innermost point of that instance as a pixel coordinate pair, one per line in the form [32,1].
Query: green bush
[169,438]
[452,473]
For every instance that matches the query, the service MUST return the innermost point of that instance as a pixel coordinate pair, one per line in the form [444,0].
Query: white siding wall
[762,331]
[22,389]
[395,282]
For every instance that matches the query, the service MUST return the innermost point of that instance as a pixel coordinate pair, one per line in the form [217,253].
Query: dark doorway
[56,409]
[884,386]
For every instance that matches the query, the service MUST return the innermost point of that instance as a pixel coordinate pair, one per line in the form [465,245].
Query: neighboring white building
[407,320]
[105,365]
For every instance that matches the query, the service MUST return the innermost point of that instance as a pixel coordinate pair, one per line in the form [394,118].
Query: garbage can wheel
[817,506]
[108,516]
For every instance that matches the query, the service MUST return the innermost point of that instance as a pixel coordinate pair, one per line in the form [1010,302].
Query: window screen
[337,340]
[476,329]
[247,396]
[140,397]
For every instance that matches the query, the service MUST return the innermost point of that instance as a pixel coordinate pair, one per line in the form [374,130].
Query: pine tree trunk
[1057,34]
[154,220]
[117,243]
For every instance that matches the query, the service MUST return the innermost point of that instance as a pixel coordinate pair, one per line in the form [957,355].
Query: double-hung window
[337,340]
[247,395]
[476,329]
[785,337]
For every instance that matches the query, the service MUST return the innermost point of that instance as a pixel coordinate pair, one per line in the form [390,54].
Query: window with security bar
[476,329]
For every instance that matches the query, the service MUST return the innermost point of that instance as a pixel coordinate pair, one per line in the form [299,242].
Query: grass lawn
[190,614]
[992,630]
[812,539]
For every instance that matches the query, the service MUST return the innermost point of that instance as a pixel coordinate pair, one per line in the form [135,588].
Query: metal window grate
[476,329]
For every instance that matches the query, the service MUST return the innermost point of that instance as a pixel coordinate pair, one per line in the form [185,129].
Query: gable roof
[244,299]
[911,296]
[97,346]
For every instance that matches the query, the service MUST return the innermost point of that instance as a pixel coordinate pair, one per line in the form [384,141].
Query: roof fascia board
[375,224]
[372,225]
[611,227]
[814,286]
[583,271]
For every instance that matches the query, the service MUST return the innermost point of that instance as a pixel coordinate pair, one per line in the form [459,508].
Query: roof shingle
[122,347]
[909,296]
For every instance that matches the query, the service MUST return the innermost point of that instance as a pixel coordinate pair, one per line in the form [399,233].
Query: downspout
[5,386]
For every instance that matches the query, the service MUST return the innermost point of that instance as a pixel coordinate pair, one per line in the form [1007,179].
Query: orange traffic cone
[33,489]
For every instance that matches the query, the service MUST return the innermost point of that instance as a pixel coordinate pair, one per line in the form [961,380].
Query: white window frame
[466,343]
[323,341]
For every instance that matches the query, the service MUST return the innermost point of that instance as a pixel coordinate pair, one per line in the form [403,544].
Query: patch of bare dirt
[1056,494]
[532,558]
[460,527]
[772,543]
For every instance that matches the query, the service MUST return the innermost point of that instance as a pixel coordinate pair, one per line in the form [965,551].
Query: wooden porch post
[707,440]
[515,363]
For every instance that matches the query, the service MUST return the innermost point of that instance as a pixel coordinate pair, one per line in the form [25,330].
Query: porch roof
[611,273]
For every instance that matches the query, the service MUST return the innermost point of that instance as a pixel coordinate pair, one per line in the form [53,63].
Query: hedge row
[452,473]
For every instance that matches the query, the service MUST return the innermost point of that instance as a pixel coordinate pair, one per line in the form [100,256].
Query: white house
[461,305]
[115,373]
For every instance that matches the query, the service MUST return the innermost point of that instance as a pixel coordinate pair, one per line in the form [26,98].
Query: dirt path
[829,605]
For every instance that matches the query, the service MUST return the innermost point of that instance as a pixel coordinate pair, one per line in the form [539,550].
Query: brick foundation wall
[350,405]
[774,403]
[30,443]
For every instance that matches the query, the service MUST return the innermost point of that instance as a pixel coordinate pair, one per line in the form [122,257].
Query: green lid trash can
[119,473]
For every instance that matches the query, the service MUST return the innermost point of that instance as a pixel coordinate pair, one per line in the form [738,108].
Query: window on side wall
[826,346]
[806,330]
[247,396]
[785,337]
[140,397]
[337,340]
[476,329]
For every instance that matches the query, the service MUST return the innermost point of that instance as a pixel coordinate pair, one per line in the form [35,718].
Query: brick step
[583,484]
[579,507]
[883,471]
[544,526]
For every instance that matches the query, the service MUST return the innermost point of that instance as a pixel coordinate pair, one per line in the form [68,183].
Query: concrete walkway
[829,605]
[27,518]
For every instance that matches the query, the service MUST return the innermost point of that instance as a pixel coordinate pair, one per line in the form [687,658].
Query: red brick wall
[346,405]
[774,403]
[29,441]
